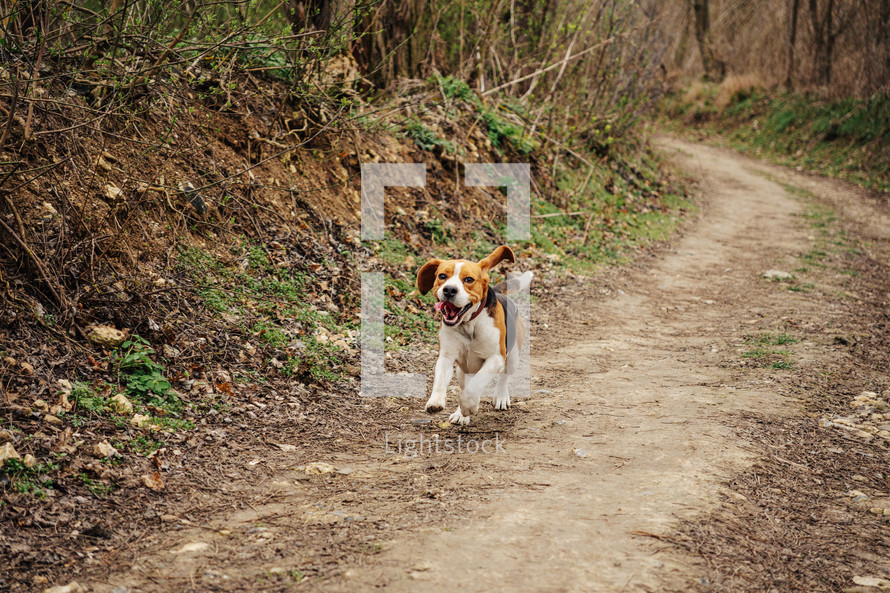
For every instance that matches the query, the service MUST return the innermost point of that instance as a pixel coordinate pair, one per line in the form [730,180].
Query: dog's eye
[469,280]
[442,277]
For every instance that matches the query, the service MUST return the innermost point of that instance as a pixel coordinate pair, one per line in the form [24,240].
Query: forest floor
[690,427]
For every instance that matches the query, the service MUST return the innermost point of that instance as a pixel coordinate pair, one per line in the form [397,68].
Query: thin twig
[540,71]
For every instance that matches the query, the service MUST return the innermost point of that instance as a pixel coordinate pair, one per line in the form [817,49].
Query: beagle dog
[481,330]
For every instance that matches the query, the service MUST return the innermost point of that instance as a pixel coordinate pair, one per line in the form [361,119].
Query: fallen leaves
[153,481]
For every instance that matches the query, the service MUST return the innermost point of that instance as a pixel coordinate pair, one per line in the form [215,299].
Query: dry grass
[694,93]
[736,87]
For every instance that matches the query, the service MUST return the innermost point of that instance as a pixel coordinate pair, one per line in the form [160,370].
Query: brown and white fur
[480,331]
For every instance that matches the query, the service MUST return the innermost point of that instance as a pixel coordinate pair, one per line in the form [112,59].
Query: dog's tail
[515,284]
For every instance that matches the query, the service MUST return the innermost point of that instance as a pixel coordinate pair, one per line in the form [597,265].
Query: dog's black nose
[449,292]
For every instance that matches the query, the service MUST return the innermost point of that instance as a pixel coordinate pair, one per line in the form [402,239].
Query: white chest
[471,344]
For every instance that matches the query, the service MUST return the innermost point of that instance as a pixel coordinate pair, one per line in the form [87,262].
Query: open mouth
[450,313]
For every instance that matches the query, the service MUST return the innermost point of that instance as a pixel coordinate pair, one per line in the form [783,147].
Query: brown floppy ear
[497,256]
[426,276]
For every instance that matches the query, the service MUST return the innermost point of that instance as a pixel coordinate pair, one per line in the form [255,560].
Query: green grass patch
[762,352]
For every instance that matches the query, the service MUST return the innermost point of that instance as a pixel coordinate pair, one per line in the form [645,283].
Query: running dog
[481,330]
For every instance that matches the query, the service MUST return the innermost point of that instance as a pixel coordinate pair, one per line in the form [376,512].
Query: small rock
[72,587]
[29,460]
[776,275]
[872,582]
[580,452]
[7,451]
[319,467]
[121,404]
[558,422]
[140,420]
[103,166]
[65,403]
[106,336]
[421,421]
[5,436]
[191,547]
[857,495]
[104,449]
[113,193]
[50,419]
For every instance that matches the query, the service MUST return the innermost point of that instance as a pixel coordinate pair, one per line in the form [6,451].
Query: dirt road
[641,388]
[629,431]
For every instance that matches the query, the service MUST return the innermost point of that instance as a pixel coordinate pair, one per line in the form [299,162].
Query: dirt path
[642,388]
[626,434]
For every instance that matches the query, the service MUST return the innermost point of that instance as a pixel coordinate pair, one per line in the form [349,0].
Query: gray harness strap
[510,313]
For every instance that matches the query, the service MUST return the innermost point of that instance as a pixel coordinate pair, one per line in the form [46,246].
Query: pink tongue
[439,305]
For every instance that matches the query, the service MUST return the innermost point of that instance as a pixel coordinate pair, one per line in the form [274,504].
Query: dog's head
[459,284]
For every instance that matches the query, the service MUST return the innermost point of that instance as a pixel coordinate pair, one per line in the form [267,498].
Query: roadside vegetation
[846,138]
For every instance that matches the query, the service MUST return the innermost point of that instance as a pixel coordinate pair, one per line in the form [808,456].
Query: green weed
[96,487]
[29,480]
[87,399]
[769,339]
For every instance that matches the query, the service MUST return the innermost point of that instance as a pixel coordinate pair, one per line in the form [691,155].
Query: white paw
[435,405]
[457,418]
[502,403]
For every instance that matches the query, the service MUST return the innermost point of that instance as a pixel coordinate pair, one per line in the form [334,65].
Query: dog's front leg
[444,371]
[469,397]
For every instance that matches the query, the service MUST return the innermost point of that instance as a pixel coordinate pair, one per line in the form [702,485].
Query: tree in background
[715,69]
[793,9]
[827,25]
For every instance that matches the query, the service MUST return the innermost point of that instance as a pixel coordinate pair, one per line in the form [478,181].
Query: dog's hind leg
[457,418]
[492,368]
[459,373]
[501,395]
[469,404]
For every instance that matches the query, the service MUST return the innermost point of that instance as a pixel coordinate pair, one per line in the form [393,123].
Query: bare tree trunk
[883,43]
[823,40]
[793,6]
[714,68]
[393,44]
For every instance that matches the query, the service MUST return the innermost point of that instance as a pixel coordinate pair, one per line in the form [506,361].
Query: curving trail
[630,430]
